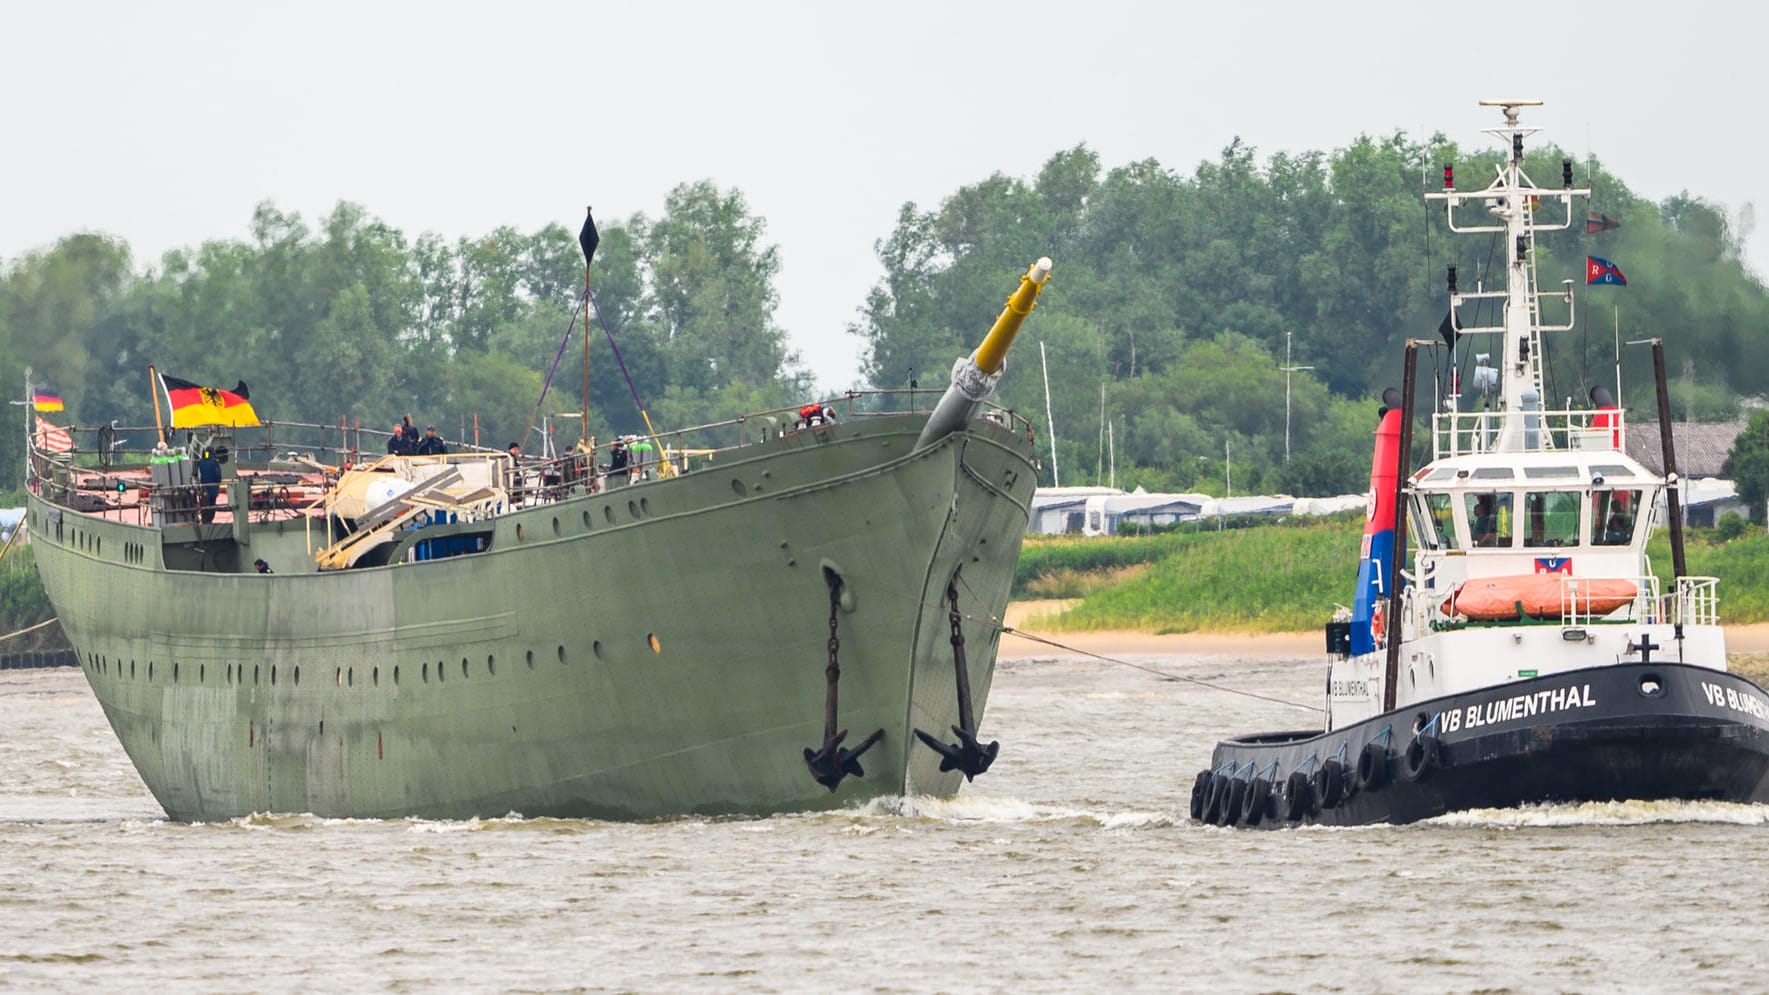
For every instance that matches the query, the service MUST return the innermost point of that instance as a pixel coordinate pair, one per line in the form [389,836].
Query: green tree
[1748,462]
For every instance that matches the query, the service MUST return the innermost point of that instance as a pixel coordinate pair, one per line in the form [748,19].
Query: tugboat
[1529,654]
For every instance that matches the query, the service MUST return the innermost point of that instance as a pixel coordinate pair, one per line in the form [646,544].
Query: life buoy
[1421,758]
[1298,798]
[1329,783]
[1378,623]
[1200,788]
[1372,767]
[1257,802]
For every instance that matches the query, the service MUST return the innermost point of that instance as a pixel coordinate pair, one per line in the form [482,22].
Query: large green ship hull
[652,650]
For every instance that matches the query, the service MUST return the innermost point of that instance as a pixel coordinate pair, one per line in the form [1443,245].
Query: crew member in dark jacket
[431,444]
[402,444]
[209,476]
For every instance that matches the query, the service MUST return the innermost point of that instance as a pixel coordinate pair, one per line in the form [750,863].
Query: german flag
[44,399]
[194,405]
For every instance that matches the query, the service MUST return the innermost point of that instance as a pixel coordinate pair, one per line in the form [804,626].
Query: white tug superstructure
[1528,653]
[1561,497]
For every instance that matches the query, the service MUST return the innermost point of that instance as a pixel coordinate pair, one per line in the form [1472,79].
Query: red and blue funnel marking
[1375,570]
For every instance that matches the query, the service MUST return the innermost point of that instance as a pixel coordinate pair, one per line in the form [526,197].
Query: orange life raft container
[1548,595]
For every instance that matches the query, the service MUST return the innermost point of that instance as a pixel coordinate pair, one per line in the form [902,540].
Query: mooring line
[1164,675]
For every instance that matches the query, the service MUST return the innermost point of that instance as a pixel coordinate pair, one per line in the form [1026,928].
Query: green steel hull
[653,650]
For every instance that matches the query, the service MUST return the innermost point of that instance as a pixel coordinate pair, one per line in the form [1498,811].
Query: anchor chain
[832,763]
[968,755]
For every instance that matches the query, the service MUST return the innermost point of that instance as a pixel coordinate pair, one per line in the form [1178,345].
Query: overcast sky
[165,123]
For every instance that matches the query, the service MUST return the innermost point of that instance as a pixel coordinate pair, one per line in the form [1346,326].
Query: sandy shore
[1023,615]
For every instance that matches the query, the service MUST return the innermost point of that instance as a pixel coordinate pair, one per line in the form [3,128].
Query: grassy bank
[1286,577]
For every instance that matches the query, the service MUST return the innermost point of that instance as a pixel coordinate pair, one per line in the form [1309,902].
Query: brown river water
[1070,866]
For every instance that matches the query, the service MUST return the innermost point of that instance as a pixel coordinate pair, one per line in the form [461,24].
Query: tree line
[1177,298]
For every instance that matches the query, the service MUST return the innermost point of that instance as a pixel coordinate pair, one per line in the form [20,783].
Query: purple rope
[623,363]
[546,385]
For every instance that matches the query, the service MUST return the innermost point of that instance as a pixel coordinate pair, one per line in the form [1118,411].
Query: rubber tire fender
[1215,796]
[1421,758]
[1329,783]
[1258,802]
[1298,799]
[1231,805]
[1372,767]
[1200,789]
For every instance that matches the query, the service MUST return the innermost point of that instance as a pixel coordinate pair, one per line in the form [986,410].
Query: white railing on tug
[1576,601]
[1461,433]
[1697,601]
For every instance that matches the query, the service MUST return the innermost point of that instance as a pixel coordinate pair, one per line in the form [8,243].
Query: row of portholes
[134,552]
[346,676]
[638,509]
[85,540]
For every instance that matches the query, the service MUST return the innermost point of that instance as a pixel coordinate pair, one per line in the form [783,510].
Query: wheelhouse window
[1437,527]
[1551,518]
[1614,517]
[1489,518]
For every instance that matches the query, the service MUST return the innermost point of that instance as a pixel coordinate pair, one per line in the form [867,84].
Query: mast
[1520,209]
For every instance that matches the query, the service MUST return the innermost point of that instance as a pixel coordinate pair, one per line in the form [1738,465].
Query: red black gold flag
[194,405]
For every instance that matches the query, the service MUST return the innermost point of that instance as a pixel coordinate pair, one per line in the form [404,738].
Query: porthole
[375,676]
[254,673]
[272,674]
[596,648]
[202,673]
[556,529]
[520,535]
[463,666]
[1651,686]
[587,519]
[608,514]
[150,670]
[338,676]
[426,673]
[230,673]
[645,505]
[633,508]
[175,672]
[297,676]
[738,488]
[531,659]
[350,677]
[396,673]
[491,665]
[441,672]
[561,654]
[651,640]
[131,669]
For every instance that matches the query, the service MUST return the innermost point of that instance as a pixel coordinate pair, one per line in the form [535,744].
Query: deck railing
[281,460]
[1460,433]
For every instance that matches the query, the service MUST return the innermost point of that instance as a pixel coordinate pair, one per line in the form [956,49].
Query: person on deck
[262,567]
[517,493]
[209,477]
[401,444]
[431,444]
[617,459]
